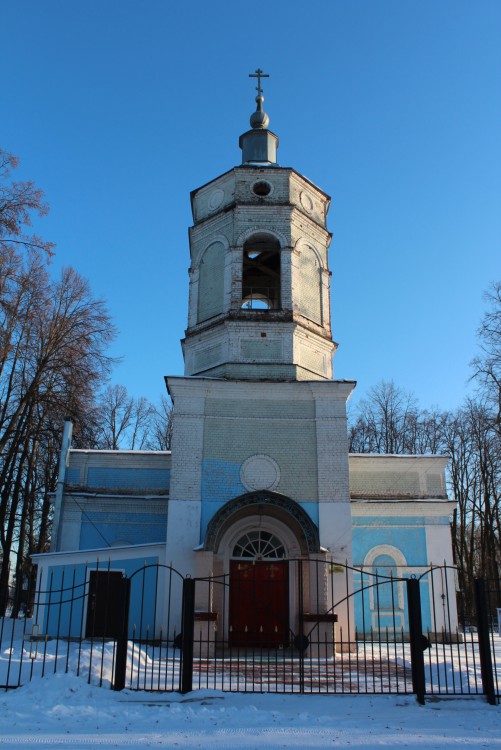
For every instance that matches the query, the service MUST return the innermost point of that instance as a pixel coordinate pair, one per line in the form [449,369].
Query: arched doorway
[259,592]
[256,541]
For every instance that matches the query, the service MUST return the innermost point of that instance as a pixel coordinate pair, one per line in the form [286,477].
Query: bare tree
[475,480]
[386,421]
[122,422]
[160,437]
[142,420]
[487,365]
[18,201]
[114,417]
[53,340]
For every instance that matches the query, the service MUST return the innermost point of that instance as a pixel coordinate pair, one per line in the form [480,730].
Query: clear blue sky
[118,109]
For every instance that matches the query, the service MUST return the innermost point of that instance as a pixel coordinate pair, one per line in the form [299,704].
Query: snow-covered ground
[59,708]
[452,668]
[63,710]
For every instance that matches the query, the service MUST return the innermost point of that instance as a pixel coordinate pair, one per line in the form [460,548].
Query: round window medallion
[306,201]
[215,199]
[259,473]
[262,188]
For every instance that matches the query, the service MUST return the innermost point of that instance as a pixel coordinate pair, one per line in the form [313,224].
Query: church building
[259,471]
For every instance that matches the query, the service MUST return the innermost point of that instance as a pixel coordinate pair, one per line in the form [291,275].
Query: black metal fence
[285,626]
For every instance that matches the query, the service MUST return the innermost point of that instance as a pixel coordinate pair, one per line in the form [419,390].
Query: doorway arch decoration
[264,503]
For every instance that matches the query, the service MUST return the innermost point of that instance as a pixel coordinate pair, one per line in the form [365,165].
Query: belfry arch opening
[261,273]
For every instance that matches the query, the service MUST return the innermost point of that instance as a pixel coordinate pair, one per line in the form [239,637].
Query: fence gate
[345,630]
[287,626]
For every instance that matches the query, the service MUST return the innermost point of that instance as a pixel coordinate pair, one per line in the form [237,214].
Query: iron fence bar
[439,645]
[143,587]
[2,628]
[132,655]
[61,596]
[11,649]
[394,623]
[372,660]
[118,682]
[364,625]
[86,587]
[93,621]
[402,641]
[430,663]
[22,651]
[467,662]
[106,615]
[176,650]
[460,663]
[415,635]
[47,616]
[497,592]
[493,652]
[301,625]
[379,638]
[155,605]
[36,612]
[70,620]
[483,641]
[169,606]
[160,634]
[187,631]
[447,602]
[357,652]
[149,642]
[348,618]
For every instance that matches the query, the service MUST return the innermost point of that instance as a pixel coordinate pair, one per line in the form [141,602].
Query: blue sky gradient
[393,107]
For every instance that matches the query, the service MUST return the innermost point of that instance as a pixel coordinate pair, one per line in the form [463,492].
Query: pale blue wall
[387,616]
[408,535]
[120,477]
[404,534]
[122,524]
[128,478]
[64,591]
[72,476]
[221,483]
[123,527]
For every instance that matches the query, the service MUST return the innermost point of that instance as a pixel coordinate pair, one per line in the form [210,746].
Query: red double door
[259,603]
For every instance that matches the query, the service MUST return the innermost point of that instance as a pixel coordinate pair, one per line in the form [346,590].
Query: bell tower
[259,442]
[259,277]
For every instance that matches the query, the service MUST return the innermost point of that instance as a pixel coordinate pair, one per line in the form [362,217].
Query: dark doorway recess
[105,605]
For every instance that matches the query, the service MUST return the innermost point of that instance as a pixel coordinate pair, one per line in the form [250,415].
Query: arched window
[261,273]
[259,545]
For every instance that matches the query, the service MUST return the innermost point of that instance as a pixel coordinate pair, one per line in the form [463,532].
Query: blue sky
[393,107]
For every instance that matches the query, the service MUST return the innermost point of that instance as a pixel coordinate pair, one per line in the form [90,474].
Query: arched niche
[310,287]
[211,282]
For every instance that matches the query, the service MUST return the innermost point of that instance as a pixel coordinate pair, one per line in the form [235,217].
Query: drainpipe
[58,500]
